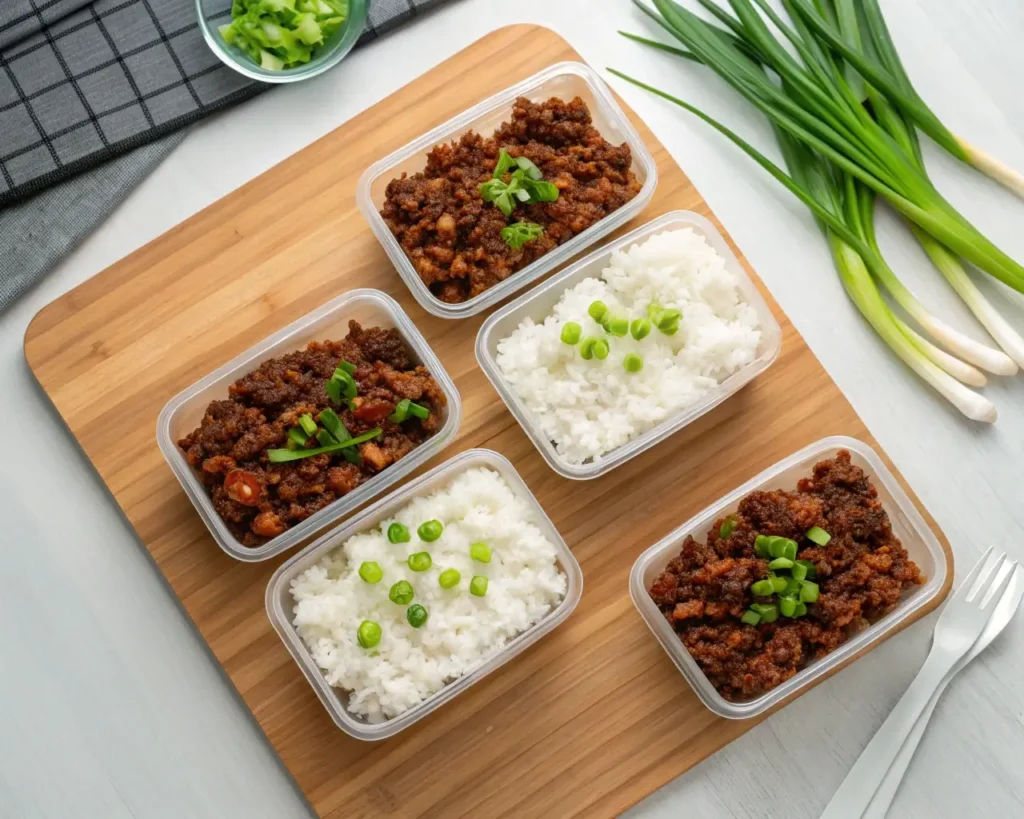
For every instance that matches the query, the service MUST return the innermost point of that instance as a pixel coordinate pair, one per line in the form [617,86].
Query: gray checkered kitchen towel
[88,82]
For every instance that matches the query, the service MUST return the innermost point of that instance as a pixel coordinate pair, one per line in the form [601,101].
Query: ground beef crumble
[453,238]
[259,500]
[862,573]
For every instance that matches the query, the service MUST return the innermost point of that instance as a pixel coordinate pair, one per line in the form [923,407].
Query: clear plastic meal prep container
[539,302]
[280,603]
[564,80]
[183,413]
[907,524]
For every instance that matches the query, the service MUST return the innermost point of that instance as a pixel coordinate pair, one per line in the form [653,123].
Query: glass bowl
[214,13]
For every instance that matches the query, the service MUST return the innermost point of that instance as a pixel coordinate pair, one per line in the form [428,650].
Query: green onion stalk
[877,43]
[819,107]
[885,63]
[816,107]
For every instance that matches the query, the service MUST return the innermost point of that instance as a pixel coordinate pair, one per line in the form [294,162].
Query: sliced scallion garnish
[818,535]
[278,456]
[308,424]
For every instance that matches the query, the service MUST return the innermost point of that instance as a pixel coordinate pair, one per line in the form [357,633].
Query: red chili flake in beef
[453,238]
[862,573]
[259,500]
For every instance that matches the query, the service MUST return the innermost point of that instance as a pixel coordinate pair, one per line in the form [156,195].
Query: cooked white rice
[462,631]
[589,408]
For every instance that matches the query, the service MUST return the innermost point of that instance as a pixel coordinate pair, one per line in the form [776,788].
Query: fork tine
[996,595]
[964,589]
[988,577]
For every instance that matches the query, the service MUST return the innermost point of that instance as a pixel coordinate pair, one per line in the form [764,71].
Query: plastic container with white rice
[588,408]
[410,665]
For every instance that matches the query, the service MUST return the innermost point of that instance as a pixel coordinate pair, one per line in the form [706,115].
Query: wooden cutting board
[590,720]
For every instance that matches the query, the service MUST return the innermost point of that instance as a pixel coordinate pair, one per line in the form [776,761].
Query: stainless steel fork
[958,627]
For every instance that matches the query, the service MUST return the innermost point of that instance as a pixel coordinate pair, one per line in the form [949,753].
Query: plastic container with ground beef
[308,494]
[566,82]
[732,649]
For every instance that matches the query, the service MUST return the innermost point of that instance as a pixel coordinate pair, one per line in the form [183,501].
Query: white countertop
[110,704]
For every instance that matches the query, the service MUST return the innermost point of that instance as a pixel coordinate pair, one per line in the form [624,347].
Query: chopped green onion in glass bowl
[279,41]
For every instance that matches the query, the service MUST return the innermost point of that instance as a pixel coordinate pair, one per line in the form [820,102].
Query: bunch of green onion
[846,117]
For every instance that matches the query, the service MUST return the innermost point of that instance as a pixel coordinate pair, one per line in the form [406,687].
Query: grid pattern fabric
[82,81]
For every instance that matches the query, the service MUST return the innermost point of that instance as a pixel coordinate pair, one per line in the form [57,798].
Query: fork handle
[890,783]
[854,795]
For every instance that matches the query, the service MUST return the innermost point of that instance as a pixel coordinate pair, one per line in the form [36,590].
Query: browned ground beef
[861,573]
[262,406]
[453,237]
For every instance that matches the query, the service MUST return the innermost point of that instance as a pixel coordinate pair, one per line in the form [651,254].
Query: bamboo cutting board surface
[595,716]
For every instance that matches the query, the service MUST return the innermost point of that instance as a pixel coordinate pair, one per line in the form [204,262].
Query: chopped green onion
[420,561]
[809,592]
[520,233]
[812,570]
[342,385]
[401,411]
[332,423]
[505,163]
[666,320]
[478,585]
[779,584]
[368,634]
[787,605]
[632,363]
[449,578]
[325,438]
[571,332]
[278,456]
[333,389]
[763,588]
[480,552]
[397,533]
[297,436]
[540,191]
[770,616]
[761,544]
[416,615]
[818,535]
[347,366]
[640,328]
[279,35]
[370,571]
[597,310]
[601,349]
[727,528]
[799,571]
[416,411]
[751,618]
[782,547]
[617,326]
[781,563]
[401,593]
[668,324]
[764,608]
[792,586]
[531,170]
[308,424]
[430,530]
[524,185]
